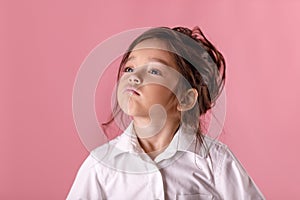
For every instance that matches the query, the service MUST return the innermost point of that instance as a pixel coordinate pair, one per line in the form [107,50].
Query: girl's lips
[132,91]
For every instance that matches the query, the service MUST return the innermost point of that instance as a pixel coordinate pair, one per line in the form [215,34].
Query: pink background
[43,43]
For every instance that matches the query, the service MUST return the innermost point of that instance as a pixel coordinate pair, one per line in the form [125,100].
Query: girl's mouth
[132,91]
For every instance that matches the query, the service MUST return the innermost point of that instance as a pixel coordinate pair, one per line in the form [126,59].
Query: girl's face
[148,80]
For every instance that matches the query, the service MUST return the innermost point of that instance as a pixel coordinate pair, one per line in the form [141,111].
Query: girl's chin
[134,112]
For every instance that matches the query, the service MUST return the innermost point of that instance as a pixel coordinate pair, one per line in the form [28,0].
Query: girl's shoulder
[208,146]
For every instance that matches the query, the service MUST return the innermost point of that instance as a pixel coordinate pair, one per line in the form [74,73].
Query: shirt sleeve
[233,182]
[86,185]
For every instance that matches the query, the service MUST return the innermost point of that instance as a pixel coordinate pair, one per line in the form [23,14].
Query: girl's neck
[153,137]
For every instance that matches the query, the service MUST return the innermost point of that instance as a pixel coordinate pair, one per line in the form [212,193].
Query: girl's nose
[134,79]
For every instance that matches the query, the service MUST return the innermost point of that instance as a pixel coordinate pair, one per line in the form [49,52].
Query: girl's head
[147,80]
[201,69]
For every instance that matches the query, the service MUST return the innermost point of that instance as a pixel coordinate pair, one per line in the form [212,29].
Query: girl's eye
[154,72]
[128,69]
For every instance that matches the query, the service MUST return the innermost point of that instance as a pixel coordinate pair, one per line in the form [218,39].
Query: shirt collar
[127,142]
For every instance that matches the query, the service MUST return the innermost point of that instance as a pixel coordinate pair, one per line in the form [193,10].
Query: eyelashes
[128,69]
[151,70]
[155,71]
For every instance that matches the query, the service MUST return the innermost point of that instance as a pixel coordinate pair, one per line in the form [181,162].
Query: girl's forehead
[153,50]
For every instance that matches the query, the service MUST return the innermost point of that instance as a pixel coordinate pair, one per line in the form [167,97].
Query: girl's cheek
[123,77]
[120,81]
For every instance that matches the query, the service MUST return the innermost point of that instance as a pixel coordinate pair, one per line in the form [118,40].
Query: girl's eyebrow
[160,61]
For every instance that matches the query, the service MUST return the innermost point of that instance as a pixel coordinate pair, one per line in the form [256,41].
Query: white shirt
[121,170]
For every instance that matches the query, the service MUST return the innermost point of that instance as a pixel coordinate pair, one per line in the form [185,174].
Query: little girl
[167,80]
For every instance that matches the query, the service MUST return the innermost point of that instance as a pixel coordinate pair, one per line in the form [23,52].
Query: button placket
[156,184]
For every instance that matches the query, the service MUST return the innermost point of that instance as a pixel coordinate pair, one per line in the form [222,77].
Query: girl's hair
[198,61]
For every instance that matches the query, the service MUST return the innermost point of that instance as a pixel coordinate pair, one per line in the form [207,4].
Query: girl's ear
[188,100]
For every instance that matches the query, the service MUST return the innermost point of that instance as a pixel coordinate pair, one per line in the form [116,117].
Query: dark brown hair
[199,62]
